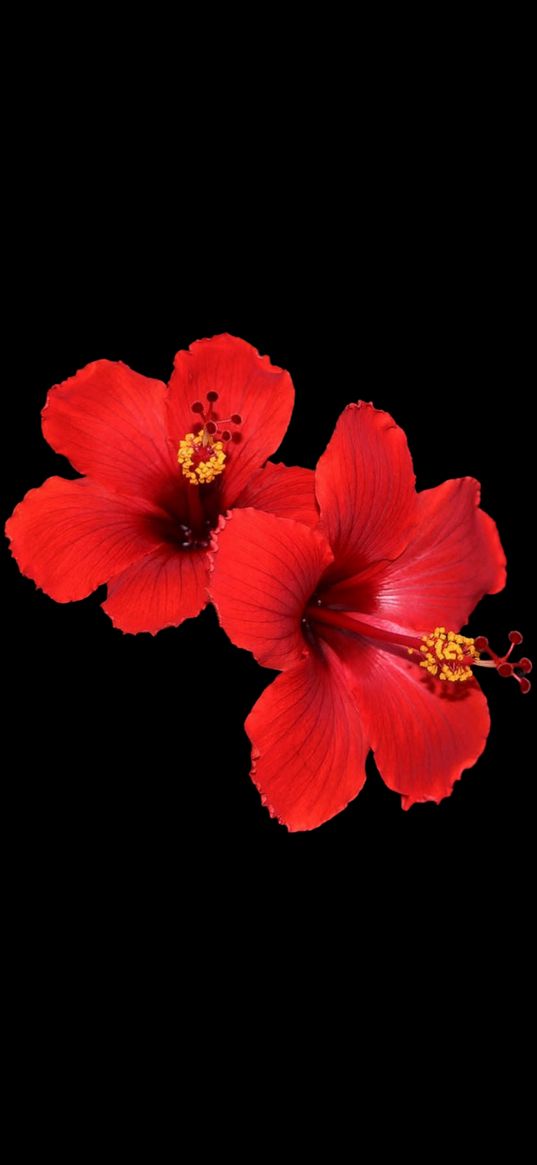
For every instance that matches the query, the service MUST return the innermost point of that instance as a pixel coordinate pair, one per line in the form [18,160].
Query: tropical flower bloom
[162,466]
[362,616]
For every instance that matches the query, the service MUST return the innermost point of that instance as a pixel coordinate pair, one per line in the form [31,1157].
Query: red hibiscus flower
[162,465]
[362,616]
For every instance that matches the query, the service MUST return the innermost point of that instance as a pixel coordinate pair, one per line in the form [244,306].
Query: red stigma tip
[211,423]
[236,437]
[212,396]
[503,664]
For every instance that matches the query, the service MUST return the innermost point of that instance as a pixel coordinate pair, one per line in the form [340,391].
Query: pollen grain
[448,656]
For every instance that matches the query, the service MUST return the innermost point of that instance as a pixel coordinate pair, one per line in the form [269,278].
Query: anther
[201,457]
[447,655]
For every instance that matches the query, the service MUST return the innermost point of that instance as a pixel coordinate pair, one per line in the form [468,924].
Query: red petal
[265,571]
[287,491]
[111,424]
[424,732]
[308,749]
[246,383]
[454,558]
[365,488]
[71,536]
[160,591]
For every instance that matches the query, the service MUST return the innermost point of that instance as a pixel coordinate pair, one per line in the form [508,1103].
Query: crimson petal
[247,384]
[162,590]
[287,491]
[424,732]
[365,489]
[265,571]
[71,536]
[454,558]
[111,424]
[308,748]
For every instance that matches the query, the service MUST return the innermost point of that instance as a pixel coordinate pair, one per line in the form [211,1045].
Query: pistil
[446,655]
[201,453]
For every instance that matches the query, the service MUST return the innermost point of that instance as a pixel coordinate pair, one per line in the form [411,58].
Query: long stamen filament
[346,622]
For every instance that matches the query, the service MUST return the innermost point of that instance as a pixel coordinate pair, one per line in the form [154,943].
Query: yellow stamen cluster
[443,654]
[213,462]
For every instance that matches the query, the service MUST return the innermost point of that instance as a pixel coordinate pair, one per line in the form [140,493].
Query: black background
[356,202]
[385,265]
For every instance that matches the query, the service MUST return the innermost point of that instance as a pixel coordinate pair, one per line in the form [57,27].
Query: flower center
[446,655]
[201,453]
[201,458]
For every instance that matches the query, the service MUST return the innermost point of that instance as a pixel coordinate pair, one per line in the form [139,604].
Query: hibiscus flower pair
[346,579]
